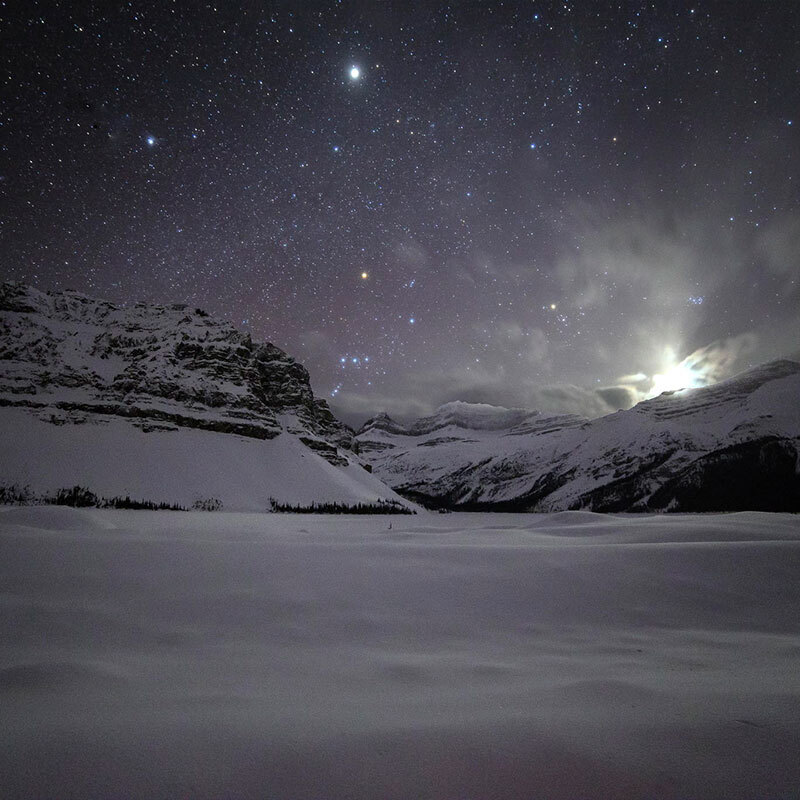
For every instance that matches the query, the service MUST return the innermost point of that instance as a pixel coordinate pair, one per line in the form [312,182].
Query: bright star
[411,320]
[355,73]
[364,276]
[151,140]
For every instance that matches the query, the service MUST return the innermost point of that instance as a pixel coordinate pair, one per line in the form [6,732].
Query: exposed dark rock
[759,475]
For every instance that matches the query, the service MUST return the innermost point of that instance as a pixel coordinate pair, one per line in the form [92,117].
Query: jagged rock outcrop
[731,446]
[66,355]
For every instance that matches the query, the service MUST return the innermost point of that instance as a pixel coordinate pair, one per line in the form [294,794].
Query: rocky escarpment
[69,357]
[731,446]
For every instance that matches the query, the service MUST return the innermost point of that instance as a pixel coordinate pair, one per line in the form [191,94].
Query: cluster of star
[482,197]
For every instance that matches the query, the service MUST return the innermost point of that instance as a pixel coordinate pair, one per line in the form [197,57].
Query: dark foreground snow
[168,655]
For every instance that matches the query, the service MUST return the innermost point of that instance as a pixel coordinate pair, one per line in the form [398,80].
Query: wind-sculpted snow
[731,446]
[162,403]
[486,656]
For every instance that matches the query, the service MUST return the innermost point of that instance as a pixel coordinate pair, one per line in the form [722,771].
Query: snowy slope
[725,447]
[494,657]
[162,403]
[113,458]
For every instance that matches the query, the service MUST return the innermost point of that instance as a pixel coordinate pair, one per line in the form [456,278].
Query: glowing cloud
[677,375]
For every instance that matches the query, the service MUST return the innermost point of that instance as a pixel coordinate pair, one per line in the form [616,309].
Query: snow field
[168,654]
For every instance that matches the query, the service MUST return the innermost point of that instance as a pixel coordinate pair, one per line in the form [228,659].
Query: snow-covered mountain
[162,403]
[730,446]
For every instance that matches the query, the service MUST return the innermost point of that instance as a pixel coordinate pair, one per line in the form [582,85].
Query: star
[303,174]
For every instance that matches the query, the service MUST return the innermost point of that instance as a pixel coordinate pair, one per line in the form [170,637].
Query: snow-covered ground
[168,655]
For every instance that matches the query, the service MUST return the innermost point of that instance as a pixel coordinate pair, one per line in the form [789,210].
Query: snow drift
[159,654]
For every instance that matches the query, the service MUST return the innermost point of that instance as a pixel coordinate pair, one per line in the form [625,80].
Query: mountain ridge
[162,362]
[133,378]
[135,400]
[666,453]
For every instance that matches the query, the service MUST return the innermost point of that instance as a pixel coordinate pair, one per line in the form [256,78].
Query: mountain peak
[165,362]
[162,404]
[731,446]
[717,397]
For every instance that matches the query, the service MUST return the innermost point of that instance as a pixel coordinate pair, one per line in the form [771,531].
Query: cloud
[648,298]
[617,397]
[482,385]
[721,359]
[355,409]
[505,341]
[568,399]
[629,260]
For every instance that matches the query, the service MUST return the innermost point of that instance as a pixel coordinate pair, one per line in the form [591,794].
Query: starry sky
[557,205]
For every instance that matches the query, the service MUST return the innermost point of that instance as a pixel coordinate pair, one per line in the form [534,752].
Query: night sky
[534,204]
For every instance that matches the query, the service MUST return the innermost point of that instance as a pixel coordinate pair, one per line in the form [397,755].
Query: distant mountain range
[166,404]
[730,446]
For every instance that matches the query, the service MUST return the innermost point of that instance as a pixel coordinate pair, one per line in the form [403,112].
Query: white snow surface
[112,457]
[566,655]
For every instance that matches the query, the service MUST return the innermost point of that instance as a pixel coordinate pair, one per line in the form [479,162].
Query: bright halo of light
[355,73]
[676,376]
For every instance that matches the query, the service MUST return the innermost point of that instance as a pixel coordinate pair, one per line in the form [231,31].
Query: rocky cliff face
[731,446]
[65,356]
